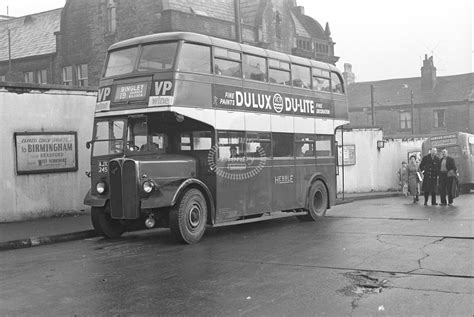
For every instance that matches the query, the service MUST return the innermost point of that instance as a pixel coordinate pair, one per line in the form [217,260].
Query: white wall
[35,195]
[375,170]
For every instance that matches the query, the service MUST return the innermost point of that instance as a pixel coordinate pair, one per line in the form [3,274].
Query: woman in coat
[430,167]
[413,178]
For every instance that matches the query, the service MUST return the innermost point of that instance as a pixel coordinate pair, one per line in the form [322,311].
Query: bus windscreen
[121,62]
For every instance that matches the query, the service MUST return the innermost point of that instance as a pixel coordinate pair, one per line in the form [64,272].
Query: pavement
[42,231]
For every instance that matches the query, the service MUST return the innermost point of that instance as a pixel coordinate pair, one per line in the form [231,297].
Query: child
[403,178]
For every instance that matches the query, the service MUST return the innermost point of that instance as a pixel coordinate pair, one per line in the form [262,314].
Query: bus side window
[230,144]
[255,67]
[301,76]
[304,145]
[324,146]
[282,144]
[195,58]
[227,63]
[336,83]
[279,72]
[258,144]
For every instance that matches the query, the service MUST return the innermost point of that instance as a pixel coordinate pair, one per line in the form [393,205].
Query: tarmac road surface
[374,257]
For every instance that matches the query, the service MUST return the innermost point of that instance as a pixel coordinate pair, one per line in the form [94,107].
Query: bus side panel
[327,168]
[259,191]
[305,168]
[283,184]
[230,194]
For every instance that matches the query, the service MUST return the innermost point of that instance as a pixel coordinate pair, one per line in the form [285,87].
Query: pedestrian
[447,175]
[403,178]
[413,178]
[429,166]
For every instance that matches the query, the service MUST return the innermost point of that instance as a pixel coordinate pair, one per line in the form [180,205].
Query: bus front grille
[124,200]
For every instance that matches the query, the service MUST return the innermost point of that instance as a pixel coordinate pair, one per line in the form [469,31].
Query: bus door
[283,180]
[326,161]
[230,169]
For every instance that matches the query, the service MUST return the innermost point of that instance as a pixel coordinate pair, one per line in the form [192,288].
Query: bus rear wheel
[104,225]
[317,202]
[188,217]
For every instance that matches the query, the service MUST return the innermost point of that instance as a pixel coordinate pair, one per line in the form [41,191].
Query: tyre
[188,217]
[317,202]
[104,225]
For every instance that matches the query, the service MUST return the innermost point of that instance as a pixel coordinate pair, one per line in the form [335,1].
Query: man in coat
[447,172]
[429,166]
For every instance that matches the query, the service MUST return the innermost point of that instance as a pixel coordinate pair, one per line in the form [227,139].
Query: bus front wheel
[104,225]
[188,217]
[317,202]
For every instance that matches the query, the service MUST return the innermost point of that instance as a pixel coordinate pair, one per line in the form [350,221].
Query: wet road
[383,256]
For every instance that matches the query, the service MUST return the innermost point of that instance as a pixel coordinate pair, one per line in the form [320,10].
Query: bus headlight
[100,187]
[148,186]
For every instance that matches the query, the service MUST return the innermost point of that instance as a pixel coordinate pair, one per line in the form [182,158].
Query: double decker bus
[193,131]
[460,147]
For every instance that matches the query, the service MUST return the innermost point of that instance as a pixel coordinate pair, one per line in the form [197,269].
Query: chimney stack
[349,76]
[428,74]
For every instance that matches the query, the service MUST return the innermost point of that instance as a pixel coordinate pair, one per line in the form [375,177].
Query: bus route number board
[131,92]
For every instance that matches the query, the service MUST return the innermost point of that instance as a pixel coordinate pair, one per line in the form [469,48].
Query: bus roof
[209,40]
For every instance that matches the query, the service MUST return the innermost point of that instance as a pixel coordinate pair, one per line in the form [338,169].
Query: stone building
[86,28]
[407,107]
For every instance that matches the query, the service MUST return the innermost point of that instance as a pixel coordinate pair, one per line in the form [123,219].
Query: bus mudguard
[314,177]
[192,182]
[94,201]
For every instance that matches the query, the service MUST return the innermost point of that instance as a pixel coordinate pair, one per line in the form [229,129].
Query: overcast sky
[381,39]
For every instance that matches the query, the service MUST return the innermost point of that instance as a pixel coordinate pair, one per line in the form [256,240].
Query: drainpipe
[238,26]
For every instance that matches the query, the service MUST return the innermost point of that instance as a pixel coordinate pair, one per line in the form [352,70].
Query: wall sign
[349,154]
[45,152]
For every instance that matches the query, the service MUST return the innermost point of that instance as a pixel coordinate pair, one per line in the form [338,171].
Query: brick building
[84,29]
[436,104]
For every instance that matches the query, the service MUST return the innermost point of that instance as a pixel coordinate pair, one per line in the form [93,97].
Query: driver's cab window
[140,139]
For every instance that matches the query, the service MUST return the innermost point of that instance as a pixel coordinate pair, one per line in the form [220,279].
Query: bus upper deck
[189,71]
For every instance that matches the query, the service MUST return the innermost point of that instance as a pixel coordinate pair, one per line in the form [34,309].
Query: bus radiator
[124,200]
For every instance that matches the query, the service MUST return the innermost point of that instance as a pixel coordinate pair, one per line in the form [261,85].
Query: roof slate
[396,92]
[299,28]
[30,35]
[219,9]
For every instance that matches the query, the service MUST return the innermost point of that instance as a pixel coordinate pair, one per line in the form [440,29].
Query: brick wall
[26,65]
[458,117]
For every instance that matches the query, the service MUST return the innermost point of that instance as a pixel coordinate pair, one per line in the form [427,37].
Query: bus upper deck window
[255,67]
[121,62]
[195,58]
[158,56]
[336,83]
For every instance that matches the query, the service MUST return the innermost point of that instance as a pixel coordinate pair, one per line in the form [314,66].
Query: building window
[67,75]
[42,76]
[405,120]
[439,121]
[3,78]
[278,25]
[29,77]
[82,77]
[303,44]
[112,16]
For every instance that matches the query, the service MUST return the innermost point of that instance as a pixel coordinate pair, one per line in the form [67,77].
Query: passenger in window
[233,151]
